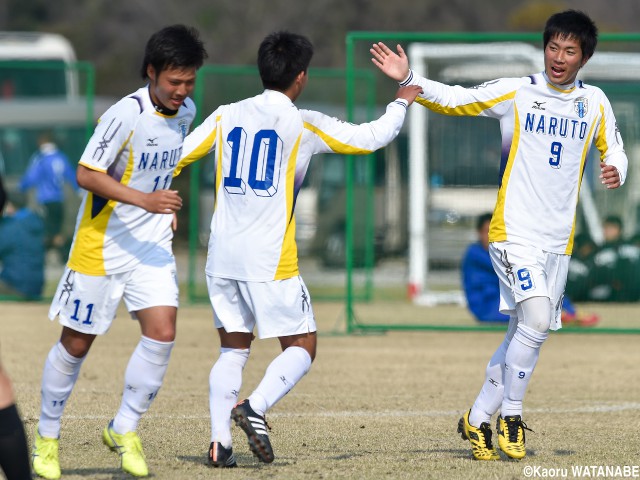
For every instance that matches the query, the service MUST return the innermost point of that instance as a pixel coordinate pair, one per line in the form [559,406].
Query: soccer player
[14,453]
[548,121]
[122,247]
[263,146]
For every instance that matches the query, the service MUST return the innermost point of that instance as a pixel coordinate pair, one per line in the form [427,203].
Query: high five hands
[394,65]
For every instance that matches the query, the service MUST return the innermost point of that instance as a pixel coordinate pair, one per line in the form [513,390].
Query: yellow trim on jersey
[601,138]
[198,152]
[583,159]
[561,90]
[91,232]
[497,227]
[470,109]
[336,145]
[288,263]
[92,167]
[218,166]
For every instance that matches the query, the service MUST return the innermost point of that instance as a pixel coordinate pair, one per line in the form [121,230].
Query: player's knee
[536,313]
[164,335]
[76,344]
[307,341]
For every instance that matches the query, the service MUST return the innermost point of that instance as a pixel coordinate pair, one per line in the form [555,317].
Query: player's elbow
[83,177]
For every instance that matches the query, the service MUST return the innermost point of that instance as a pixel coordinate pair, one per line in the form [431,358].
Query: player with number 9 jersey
[546,134]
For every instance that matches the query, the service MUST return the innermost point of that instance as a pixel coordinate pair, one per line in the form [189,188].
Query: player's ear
[151,72]
[301,80]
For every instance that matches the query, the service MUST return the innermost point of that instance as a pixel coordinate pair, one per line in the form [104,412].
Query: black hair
[281,58]
[175,46]
[482,219]
[573,24]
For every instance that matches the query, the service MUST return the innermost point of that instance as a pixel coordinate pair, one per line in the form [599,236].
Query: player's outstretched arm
[409,93]
[160,201]
[394,65]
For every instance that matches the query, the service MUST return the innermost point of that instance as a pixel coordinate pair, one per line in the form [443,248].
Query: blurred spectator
[479,280]
[3,195]
[614,267]
[579,275]
[481,286]
[48,171]
[21,250]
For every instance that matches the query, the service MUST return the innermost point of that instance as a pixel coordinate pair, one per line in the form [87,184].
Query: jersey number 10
[264,166]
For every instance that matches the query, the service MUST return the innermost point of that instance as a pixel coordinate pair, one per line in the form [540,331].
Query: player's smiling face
[563,59]
[171,86]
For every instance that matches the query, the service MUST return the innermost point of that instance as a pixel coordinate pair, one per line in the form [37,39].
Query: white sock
[522,356]
[142,380]
[282,374]
[58,378]
[490,397]
[225,381]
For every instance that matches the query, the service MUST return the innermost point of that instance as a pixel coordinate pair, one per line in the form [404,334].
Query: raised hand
[393,65]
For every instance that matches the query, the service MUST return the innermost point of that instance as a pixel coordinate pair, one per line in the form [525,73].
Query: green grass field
[373,406]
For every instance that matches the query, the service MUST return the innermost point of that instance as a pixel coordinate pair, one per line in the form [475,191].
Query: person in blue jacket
[22,250]
[48,171]
[481,287]
[479,279]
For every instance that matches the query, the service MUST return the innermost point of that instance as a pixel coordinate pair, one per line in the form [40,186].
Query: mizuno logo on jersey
[151,142]
[538,105]
[555,126]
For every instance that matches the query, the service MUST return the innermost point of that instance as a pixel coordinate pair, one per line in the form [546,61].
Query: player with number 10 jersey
[263,146]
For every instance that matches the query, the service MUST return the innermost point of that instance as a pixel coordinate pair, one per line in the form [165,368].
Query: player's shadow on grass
[111,473]
[247,461]
[565,453]
[466,453]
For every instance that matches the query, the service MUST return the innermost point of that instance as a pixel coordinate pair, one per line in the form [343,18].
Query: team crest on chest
[183,126]
[581,105]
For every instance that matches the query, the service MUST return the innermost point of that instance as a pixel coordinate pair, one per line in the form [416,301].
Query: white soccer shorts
[88,303]
[278,308]
[526,272]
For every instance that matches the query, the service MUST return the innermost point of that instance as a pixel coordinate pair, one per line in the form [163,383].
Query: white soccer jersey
[546,135]
[263,146]
[140,148]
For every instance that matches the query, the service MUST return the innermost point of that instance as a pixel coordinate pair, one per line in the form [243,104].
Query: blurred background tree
[111,33]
